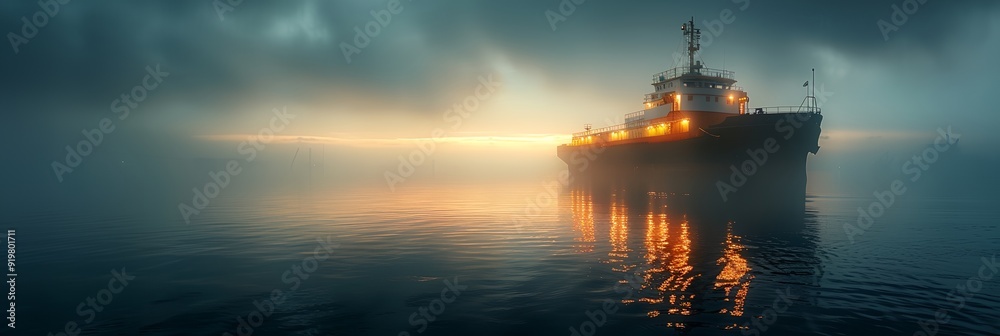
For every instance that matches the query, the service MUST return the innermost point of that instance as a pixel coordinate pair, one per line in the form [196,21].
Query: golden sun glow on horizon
[347,140]
[843,137]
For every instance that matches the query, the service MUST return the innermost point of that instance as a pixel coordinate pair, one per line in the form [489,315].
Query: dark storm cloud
[90,52]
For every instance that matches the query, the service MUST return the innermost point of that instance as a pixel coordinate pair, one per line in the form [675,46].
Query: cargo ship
[698,134]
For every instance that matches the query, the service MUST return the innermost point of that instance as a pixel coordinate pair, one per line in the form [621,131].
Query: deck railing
[637,115]
[680,71]
[631,124]
[786,109]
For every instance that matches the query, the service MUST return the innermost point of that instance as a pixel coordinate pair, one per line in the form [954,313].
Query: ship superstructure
[683,99]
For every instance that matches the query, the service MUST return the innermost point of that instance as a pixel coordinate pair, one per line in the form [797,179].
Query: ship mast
[810,102]
[694,37]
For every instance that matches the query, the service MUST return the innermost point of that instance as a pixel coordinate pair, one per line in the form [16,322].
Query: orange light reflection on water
[667,271]
[618,255]
[583,220]
[735,272]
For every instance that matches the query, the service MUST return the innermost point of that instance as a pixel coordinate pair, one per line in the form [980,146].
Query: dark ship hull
[749,159]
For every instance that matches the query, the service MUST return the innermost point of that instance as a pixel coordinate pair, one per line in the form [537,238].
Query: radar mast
[694,43]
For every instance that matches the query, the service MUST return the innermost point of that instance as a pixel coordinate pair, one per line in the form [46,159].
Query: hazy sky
[227,73]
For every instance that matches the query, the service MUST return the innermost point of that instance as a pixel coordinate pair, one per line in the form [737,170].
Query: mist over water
[164,178]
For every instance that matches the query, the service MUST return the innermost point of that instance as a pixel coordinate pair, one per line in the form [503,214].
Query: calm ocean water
[468,260]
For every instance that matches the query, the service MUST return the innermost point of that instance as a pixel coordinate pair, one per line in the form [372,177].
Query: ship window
[716,99]
[690,97]
[708,99]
